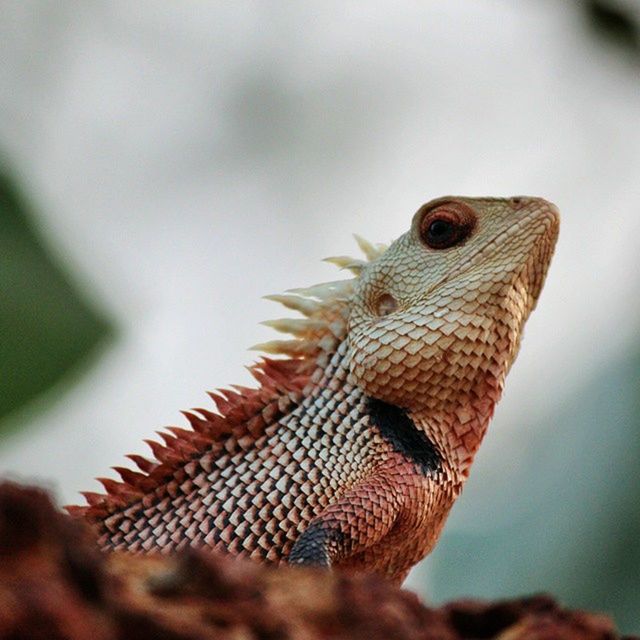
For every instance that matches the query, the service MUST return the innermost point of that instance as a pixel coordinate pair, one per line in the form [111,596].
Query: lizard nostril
[386,304]
[518,202]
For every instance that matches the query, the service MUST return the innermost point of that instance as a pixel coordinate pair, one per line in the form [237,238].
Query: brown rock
[54,583]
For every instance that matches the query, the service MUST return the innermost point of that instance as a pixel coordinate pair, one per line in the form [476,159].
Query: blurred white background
[187,159]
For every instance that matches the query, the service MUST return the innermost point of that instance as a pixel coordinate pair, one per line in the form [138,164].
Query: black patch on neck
[397,428]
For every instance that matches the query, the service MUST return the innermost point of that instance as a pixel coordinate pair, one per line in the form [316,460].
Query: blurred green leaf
[47,327]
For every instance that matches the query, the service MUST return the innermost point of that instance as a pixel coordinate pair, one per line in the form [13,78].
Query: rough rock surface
[54,584]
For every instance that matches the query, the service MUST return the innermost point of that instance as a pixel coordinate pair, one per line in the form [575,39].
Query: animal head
[438,316]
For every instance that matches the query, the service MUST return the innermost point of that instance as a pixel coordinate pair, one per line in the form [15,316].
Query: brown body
[353,450]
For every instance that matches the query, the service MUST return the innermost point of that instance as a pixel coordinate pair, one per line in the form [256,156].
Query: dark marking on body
[397,428]
[314,547]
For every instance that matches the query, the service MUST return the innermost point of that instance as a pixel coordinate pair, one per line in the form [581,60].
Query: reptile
[363,426]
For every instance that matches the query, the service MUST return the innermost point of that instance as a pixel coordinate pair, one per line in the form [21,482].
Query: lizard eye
[441,233]
[447,226]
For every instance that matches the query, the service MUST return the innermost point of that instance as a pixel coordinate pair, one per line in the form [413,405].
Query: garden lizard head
[436,320]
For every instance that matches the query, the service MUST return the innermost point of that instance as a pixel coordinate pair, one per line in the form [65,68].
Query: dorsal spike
[222,404]
[326,290]
[92,497]
[144,464]
[158,450]
[241,389]
[179,432]
[294,348]
[169,439]
[119,489]
[371,251]
[366,247]
[295,326]
[197,423]
[210,419]
[129,476]
[193,438]
[296,303]
[347,262]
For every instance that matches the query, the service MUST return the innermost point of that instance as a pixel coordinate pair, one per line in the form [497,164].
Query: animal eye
[441,233]
[446,226]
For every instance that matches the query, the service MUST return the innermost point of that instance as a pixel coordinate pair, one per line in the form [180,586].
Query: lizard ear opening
[385,304]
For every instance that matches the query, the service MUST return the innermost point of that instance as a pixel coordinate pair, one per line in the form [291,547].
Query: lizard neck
[458,427]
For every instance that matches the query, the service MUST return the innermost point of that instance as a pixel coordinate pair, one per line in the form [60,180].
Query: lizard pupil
[440,228]
[441,234]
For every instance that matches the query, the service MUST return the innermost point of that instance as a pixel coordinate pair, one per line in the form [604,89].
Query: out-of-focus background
[164,165]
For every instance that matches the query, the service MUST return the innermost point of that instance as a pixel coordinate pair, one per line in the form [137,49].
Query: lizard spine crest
[244,412]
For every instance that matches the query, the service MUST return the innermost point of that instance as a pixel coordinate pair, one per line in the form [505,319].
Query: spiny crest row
[242,411]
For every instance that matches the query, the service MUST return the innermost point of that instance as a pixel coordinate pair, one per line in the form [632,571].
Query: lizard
[363,427]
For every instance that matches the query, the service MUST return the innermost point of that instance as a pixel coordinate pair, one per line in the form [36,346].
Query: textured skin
[352,451]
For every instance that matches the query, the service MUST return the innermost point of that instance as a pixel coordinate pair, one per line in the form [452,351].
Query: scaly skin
[352,451]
